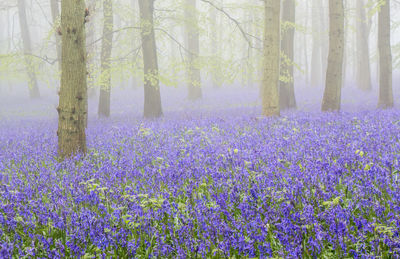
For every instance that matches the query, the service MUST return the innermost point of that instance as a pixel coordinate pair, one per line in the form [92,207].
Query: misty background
[230,56]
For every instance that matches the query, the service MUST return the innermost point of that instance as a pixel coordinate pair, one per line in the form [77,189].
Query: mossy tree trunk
[152,96]
[71,110]
[106,49]
[385,58]
[27,45]
[271,58]
[333,85]
[193,46]
[287,97]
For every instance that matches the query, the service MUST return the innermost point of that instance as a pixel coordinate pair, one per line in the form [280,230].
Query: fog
[229,57]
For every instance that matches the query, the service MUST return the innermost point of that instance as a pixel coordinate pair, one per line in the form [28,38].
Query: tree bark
[271,58]
[152,96]
[286,90]
[333,84]
[26,39]
[193,46]
[71,110]
[385,58]
[106,49]
[363,63]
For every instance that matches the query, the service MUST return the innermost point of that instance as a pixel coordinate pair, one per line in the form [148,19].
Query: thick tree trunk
[271,58]
[363,64]
[287,97]
[106,49]
[26,39]
[333,84]
[152,96]
[55,14]
[71,110]
[193,46]
[316,69]
[385,58]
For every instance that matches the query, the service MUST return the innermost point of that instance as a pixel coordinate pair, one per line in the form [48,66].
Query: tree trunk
[271,57]
[324,38]
[55,14]
[333,84]
[152,96]
[193,46]
[214,45]
[305,46]
[71,110]
[316,71]
[136,41]
[26,39]
[286,90]
[91,48]
[385,58]
[106,49]
[363,64]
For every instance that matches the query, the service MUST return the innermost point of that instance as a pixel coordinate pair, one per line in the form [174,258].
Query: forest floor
[202,184]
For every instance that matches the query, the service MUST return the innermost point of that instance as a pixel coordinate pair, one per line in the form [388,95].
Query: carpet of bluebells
[230,185]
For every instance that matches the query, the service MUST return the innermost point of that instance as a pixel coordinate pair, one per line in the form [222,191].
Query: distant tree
[91,50]
[287,97]
[385,57]
[324,36]
[55,14]
[106,49]
[333,85]
[363,64]
[316,66]
[71,109]
[26,40]
[271,57]
[193,46]
[152,96]
[215,45]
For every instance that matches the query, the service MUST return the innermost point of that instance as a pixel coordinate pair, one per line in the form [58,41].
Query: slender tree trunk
[286,93]
[55,14]
[136,40]
[152,96]
[71,110]
[333,84]
[305,47]
[363,64]
[214,47]
[26,39]
[106,49]
[324,38]
[316,71]
[345,41]
[193,45]
[271,57]
[91,48]
[385,58]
